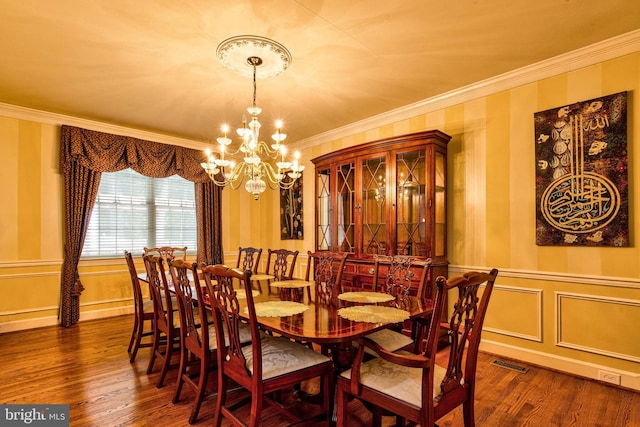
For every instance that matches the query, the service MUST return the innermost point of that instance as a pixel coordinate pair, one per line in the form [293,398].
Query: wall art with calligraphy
[291,225]
[581,174]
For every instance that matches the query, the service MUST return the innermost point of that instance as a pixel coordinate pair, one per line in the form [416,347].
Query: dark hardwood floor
[87,366]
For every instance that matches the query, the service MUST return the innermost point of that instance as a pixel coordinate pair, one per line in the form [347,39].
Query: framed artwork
[291,225]
[581,174]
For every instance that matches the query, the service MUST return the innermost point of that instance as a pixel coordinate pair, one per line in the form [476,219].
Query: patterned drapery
[84,155]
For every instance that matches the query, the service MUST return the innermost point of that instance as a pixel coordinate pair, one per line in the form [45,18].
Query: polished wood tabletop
[322,324]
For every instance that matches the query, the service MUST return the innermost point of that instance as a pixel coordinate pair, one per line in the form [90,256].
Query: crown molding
[615,47]
[46,117]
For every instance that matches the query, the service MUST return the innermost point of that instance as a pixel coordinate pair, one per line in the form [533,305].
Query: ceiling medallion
[234,51]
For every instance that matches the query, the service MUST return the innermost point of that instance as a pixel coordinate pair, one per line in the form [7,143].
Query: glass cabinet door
[410,203]
[345,193]
[323,209]
[373,203]
[440,231]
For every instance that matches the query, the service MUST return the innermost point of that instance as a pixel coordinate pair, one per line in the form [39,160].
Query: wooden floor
[87,367]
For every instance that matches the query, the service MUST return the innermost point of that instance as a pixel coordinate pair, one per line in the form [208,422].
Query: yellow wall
[553,305]
[571,308]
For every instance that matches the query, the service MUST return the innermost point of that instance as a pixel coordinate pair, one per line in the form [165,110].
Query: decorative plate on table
[373,314]
[365,297]
[278,308]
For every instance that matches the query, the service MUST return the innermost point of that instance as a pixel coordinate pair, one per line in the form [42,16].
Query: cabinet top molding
[382,144]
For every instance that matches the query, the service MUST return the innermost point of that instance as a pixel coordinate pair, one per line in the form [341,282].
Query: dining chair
[143,312]
[269,364]
[166,319]
[325,269]
[284,263]
[198,342]
[168,253]
[411,385]
[396,275]
[249,258]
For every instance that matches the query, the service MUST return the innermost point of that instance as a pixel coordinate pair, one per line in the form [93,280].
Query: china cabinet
[384,197]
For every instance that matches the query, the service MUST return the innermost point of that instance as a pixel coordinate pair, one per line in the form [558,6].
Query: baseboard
[20,325]
[629,380]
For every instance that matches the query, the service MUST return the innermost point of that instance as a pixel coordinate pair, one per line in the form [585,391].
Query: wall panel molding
[538,294]
[616,282]
[560,340]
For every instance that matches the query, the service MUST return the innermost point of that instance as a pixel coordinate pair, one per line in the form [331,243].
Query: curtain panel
[84,155]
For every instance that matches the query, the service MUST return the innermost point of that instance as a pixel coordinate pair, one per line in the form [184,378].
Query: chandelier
[254,161]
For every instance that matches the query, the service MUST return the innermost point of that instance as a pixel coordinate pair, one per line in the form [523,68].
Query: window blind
[133,211]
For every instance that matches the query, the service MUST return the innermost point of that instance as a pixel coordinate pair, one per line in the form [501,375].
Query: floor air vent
[511,366]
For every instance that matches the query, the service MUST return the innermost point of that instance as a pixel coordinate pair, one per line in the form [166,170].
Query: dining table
[333,324]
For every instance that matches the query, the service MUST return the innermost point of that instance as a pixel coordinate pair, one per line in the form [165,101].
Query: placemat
[242,293]
[373,314]
[278,308]
[290,284]
[365,297]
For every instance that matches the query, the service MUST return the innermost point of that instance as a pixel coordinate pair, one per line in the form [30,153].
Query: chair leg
[181,372]
[220,399]
[256,409]
[168,354]
[134,332]
[154,350]
[468,413]
[202,388]
[341,407]
[376,420]
[139,332]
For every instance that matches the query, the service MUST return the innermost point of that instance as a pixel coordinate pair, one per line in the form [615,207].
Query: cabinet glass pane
[440,206]
[323,209]
[345,201]
[410,202]
[374,206]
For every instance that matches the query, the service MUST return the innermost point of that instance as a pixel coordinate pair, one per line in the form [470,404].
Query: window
[133,211]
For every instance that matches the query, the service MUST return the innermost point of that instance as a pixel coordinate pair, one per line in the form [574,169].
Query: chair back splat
[268,364]
[281,263]
[326,273]
[249,258]
[411,385]
[167,253]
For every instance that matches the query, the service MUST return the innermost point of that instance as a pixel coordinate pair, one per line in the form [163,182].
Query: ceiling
[151,65]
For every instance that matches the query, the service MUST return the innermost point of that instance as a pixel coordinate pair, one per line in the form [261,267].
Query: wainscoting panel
[518,312]
[617,337]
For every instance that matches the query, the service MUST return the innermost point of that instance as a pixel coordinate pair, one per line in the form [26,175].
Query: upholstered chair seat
[401,382]
[389,339]
[282,356]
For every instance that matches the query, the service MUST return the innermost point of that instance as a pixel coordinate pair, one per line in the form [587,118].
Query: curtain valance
[104,152]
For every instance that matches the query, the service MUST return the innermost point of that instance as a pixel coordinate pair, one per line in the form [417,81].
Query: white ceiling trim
[45,117]
[609,49]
